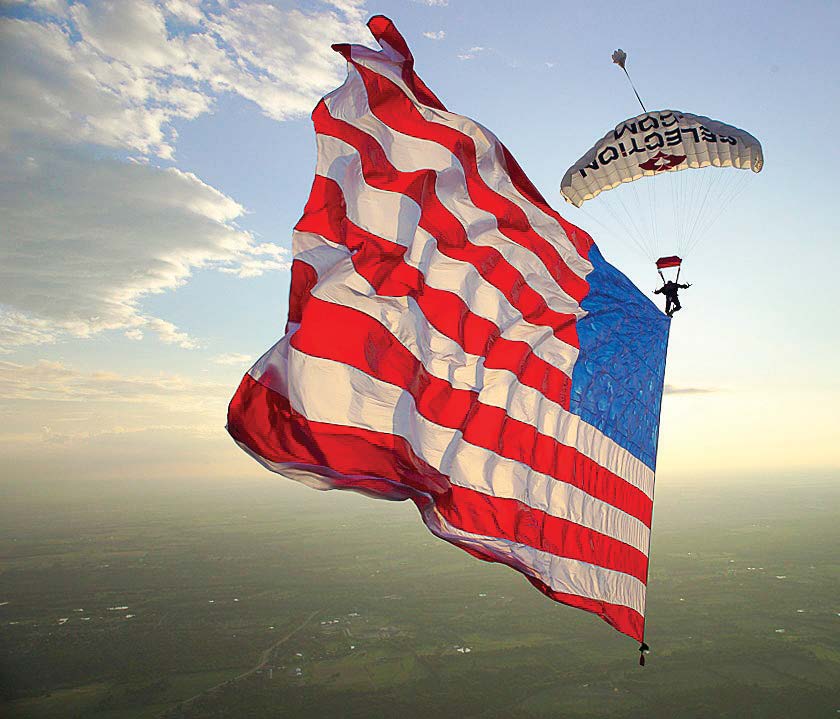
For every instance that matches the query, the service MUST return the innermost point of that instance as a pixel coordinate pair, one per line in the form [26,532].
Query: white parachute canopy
[656,145]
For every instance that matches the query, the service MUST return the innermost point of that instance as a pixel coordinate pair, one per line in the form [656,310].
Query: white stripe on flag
[445,359]
[561,574]
[376,211]
[357,292]
[358,400]
[353,96]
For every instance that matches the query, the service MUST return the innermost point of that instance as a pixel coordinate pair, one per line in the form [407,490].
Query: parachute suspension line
[646,218]
[624,227]
[634,211]
[728,194]
[674,181]
[686,186]
[645,199]
[703,194]
[646,236]
[619,227]
[691,192]
[655,205]
[619,57]
[721,191]
[696,209]
[595,219]
[608,228]
[637,205]
[648,249]
[718,198]
[635,91]
[739,185]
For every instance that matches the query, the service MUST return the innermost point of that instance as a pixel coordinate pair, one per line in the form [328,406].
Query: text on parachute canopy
[653,140]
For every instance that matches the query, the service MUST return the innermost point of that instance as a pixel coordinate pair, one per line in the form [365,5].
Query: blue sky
[155,156]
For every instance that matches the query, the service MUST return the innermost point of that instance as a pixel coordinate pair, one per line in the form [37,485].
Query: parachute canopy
[656,142]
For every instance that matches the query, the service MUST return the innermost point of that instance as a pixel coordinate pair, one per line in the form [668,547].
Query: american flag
[453,341]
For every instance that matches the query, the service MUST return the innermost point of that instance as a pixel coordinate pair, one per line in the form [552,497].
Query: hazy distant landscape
[131,599]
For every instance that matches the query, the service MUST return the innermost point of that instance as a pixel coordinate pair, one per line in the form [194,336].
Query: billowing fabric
[453,341]
[655,142]
[617,380]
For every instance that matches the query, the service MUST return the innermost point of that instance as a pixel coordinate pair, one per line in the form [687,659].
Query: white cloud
[49,435]
[472,52]
[433,3]
[234,359]
[48,404]
[188,11]
[17,329]
[57,8]
[352,9]
[168,333]
[67,91]
[114,74]
[674,389]
[280,58]
[261,258]
[435,34]
[47,380]
[85,240]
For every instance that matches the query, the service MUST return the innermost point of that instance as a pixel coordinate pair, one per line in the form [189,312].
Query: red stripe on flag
[304,278]
[381,264]
[626,620]
[345,335]
[383,29]
[510,519]
[390,105]
[580,239]
[264,421]
[447,230]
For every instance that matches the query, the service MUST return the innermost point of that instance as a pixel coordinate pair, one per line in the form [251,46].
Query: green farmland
[272,600]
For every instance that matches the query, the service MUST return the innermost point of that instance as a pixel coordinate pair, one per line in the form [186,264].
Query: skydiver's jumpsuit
[672,301]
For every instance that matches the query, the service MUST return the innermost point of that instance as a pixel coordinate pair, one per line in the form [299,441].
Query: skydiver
[671,291]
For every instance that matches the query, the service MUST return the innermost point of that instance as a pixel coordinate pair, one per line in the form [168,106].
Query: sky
[154,157]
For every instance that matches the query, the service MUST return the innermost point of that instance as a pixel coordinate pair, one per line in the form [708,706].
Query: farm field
[271,600]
